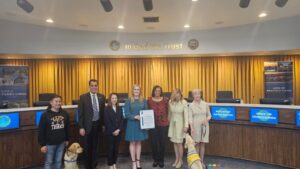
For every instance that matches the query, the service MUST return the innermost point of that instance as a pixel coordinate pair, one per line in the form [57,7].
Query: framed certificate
[147,119]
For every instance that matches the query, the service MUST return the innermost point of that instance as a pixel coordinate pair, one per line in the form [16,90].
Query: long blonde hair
[173,95]
[141,99]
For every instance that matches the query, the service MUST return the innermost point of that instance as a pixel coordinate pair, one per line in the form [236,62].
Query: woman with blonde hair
[199,116]
[178,126]
[134,133]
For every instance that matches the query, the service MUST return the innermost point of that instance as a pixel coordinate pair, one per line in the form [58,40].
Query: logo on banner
[4,121]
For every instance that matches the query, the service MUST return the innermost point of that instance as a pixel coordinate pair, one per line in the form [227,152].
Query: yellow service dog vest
[192,157]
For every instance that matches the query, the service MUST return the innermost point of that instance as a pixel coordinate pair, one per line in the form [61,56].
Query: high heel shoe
[174,164]
[179,164]
[137,165]
[134,164]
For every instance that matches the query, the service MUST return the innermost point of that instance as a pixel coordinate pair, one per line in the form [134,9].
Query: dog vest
[192,156]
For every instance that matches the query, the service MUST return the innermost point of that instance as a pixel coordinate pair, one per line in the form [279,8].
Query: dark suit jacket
[85,111]
[113,120]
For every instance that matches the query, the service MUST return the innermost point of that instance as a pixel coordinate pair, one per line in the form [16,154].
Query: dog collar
[70,161]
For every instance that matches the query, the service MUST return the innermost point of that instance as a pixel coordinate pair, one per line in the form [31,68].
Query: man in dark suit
[90,121]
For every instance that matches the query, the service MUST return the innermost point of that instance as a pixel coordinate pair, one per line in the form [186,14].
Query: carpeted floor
[212,162]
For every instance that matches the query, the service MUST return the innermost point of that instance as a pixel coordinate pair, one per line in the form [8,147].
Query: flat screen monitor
[223,113]
[38,116]
[9,121]
[298,118]
[264,115]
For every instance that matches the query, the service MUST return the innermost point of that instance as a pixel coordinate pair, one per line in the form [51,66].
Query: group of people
[173,118]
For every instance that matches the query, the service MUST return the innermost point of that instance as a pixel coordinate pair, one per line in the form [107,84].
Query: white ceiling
[89,14]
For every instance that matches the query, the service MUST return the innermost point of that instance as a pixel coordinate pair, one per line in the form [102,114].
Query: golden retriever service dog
[193,158]
[70,158]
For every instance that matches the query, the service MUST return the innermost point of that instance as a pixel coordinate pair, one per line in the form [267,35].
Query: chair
[167,94]
[75,102]
[226,97]
[44,99]
[46,96]
[122,97]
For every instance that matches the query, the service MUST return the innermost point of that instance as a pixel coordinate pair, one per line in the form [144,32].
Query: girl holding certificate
[178,117]
[134,133]
[158,135]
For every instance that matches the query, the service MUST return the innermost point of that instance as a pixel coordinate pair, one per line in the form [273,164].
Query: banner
[264,115]
[223,113]
[14,86]
[278,78]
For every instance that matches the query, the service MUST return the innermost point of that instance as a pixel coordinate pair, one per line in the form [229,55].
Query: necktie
[95,109]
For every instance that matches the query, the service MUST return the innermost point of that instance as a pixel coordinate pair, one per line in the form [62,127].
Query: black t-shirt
[54,128]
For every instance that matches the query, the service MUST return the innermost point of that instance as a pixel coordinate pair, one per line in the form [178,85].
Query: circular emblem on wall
[193,44]
[114,45]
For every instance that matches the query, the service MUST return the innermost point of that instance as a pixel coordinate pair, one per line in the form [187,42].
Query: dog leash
[203,131]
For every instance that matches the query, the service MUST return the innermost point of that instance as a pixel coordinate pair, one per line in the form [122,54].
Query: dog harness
[192,157]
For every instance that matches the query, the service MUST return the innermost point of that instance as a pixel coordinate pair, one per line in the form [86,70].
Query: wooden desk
[274,144]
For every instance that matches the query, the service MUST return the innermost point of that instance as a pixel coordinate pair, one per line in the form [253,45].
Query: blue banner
[263,115]
[9,121]
[223,113]
[14,86]
[298,118]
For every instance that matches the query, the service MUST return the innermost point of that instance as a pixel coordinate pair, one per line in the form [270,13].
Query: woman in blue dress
[134,133]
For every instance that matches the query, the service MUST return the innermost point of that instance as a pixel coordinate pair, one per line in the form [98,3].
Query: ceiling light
[263,14]
[194,0]
[25,5]
[186,25]
[280,3]
[106,4]
[49,20]
[120,27]
[148,5]
[244,3]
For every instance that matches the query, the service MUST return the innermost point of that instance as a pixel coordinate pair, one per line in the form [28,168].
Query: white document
[147,119]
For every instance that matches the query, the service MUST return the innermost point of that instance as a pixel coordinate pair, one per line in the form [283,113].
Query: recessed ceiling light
[263,14]
[187,26]
[49,20]
[194,0]
[120,27]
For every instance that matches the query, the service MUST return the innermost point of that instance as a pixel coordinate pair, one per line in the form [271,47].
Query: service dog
[193,158]
[70,158]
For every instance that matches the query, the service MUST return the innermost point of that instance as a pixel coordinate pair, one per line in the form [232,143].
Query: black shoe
[154,164]
[161,165]
[138,167]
